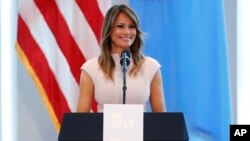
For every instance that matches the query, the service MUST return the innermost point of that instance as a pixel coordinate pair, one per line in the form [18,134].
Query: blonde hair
[105,59]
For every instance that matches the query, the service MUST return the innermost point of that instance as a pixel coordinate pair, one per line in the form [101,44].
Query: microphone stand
[124,88]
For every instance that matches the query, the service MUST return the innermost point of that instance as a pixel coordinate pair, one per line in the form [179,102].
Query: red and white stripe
[56,37]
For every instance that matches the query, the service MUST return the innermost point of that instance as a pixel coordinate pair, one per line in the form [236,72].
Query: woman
[102,77]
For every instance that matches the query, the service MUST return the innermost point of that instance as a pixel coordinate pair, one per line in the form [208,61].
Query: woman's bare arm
[156,94]
[86,94]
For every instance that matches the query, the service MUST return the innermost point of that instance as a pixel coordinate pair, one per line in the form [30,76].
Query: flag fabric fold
[189,40]
[54,39]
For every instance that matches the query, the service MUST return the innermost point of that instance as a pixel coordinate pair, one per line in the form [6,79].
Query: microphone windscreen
[125,55]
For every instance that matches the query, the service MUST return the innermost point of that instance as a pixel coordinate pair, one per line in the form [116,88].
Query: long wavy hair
[105,59]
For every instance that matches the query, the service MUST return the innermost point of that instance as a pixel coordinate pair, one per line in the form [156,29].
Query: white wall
[0,77]
[8,70]
[243,66]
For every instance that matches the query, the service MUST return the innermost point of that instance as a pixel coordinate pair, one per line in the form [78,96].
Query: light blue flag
[188,39]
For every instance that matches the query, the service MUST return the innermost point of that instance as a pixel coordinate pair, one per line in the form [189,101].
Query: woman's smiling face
[123,33]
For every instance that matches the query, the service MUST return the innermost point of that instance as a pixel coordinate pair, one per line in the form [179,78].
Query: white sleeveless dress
[111,92]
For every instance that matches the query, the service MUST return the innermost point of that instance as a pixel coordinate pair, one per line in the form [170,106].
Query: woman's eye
[120,26]
[132,26]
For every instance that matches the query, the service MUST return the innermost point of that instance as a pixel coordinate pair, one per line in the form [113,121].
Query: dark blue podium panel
[157,127]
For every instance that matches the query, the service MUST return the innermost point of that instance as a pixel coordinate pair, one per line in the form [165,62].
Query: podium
[157,127]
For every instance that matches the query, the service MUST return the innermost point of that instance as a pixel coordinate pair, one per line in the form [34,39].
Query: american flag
[54,38]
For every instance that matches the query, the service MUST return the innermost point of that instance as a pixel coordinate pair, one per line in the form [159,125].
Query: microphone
[124,61]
